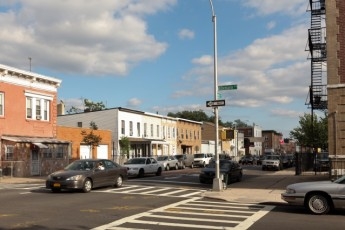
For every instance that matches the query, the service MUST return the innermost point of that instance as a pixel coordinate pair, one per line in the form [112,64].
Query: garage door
[85,152]
[102,152]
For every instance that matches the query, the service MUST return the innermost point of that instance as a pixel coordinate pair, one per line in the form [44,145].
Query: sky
[157,56]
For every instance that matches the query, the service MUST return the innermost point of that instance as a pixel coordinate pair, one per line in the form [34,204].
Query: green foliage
[312,132]
[93,106]
[124,146]
[90,138]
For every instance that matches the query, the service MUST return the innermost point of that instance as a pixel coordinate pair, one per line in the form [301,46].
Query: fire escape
[317,97]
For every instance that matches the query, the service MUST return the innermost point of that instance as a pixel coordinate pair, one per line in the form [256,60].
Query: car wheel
[141,173]
[176,167]
[87,186]
[204,165]
[167,168]
[318,204]
[159,172]
[118,182]
[239,178]
[183,166]
[192,165]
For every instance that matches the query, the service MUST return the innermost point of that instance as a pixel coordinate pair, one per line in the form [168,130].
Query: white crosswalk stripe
[155,191]
[194,213]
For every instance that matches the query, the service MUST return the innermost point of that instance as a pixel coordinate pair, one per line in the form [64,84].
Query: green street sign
[227,87]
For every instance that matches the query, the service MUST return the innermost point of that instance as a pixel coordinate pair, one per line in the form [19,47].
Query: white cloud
[270,25]
[186,34]
[266,7]
[134,102]
[203,60]
[286,113]
[95,38]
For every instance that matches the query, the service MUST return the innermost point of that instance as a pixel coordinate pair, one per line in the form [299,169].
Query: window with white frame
[157,130]
[138,129]
[9,152]
[2,104]
[59,152]
[38,106]
[123,127]
[151,128]
[131,128]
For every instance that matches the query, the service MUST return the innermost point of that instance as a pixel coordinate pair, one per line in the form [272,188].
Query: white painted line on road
[165,181]
[113,225]
[196,219]
[191,194]
[252,219]
[156,190]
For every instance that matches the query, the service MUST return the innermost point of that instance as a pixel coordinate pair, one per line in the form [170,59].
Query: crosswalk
[194,213]
[156,191]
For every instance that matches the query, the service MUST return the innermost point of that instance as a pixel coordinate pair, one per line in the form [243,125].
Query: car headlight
[290,191]
[76,177]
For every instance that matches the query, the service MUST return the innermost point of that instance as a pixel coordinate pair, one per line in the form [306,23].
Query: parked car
[169,162]
[186,160]
[272,162]
[319,197]
[202,159]
[141,166]
[246,160]
[231,171]
[85,175]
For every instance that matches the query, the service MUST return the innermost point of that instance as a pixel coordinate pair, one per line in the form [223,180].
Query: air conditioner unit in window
[38,117]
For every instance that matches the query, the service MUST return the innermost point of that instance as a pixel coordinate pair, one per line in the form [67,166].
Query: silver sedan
[318,197]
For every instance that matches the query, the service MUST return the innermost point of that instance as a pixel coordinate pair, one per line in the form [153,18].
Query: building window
[151,130]
[145,129]
[131,128]
[138,128]
[47,153]
[157,130]
[59,152]
[1,104]
[28,107]
[38,106]
[9,153]
[123,127]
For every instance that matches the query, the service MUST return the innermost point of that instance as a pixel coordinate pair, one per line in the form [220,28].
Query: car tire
[204,164]
[176,167]
[141,173]
[183,166]
[318,204]
[167,168]
[159,171]
[118,182]
[239,178]
[192,165]
[87,185]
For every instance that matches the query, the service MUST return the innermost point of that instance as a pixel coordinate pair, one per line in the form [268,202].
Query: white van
[202,159]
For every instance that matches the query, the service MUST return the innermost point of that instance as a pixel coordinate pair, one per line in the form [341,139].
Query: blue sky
[157,55]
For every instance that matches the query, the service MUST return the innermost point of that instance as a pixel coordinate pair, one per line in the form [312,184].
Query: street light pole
[217,182]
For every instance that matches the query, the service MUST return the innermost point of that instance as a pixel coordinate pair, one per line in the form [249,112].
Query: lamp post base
[217,185]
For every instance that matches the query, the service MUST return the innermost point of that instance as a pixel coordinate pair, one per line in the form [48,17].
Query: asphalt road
[172,201]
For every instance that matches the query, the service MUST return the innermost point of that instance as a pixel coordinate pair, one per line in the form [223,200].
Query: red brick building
[28,134]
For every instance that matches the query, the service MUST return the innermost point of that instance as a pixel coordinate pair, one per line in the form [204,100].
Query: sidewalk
[22,180]
[265,188]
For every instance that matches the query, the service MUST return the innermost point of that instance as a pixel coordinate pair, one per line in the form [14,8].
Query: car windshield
[222,164]
[162,158]
[178,156]
[136,161]
[271,157]
[80,165]
[340,180]
[199,155]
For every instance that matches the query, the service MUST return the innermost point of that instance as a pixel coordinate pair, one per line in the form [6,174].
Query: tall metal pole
[217,182]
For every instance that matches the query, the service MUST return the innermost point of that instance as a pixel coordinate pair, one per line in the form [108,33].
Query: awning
[40,145]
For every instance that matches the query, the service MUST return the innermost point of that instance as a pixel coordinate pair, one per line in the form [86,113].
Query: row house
[252,139]
[272,141]
[28,134]
[149,134]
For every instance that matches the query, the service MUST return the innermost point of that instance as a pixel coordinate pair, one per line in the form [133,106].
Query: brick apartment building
[335,26]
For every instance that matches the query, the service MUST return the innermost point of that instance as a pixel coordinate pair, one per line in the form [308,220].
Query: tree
[93,106]
[312,131]
[124,146]
[192,115]
[90,138]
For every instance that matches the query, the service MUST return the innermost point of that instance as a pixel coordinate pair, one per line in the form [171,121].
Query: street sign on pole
[227,87]
[215,103]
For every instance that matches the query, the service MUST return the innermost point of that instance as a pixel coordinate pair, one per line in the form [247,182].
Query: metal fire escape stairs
[317,97]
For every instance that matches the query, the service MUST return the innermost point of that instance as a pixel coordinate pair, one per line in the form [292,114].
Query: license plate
[56,185]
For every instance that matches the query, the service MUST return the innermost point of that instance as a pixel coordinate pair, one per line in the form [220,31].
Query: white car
[169,162]
[272,162]
[141,166]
